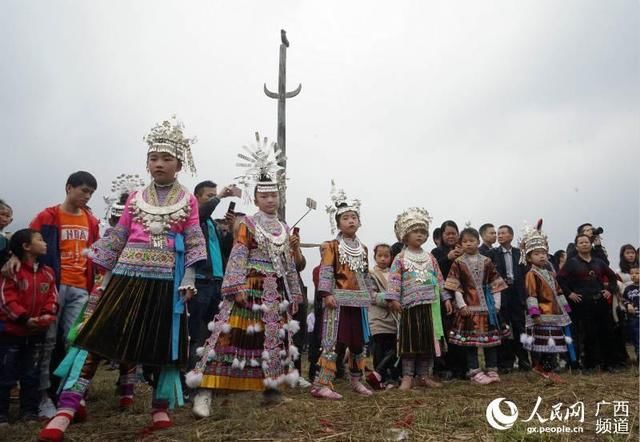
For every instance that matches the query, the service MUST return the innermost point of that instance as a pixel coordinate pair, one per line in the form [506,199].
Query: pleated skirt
[416,331]
[132,323]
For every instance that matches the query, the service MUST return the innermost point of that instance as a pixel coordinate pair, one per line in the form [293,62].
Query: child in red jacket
[28,306]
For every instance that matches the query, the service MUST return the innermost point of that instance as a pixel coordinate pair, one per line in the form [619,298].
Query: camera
[597,231]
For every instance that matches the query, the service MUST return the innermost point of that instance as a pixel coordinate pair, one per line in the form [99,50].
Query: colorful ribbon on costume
[570,347]
[178,301]
[491,307]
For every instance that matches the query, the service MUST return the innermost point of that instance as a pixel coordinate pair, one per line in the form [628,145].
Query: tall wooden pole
[282,96]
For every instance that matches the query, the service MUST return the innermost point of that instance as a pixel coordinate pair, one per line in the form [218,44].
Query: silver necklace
[419,263]
[157,219]
[353,255]
[275,246]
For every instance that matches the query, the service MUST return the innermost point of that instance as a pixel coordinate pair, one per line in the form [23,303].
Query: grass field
[454,412]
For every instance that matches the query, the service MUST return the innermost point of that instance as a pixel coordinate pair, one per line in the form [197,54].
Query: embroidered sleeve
[531,287]
[194,242]
[453,278]
[294,282]
[327,275]
[235,276]
[106,250]
[494,279]
[394,288]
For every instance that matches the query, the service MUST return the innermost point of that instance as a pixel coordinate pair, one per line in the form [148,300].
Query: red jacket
[32,294]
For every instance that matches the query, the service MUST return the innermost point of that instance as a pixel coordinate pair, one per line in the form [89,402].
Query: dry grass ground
[455,412]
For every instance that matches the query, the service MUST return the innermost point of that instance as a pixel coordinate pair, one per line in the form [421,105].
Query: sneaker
[303,383]
[202,404]
[481,379]
[47,408]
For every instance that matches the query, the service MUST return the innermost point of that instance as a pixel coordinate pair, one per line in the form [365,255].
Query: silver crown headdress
[340,204]
[413,218]
[533,238]
[263,170]
[168,137]
[123,184]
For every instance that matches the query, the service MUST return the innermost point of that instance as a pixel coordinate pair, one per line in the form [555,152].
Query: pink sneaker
[359,388]
[481,378]
[325,393]
[493,376]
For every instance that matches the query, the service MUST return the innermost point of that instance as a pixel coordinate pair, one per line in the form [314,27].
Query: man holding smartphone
[209,273]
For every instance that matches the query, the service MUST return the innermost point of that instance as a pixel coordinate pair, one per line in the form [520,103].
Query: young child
[251,346]
[149,256]
[476,286]
[28,306]
[415,286]
[547,325]
[383,324]
[121,188]
[631,297]
[6,216]
[347,291]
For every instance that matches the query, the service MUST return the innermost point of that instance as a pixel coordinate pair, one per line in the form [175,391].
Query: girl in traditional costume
[415,289]
[347,291]
[547,327]
[149,257]
[476,286]
[251,347]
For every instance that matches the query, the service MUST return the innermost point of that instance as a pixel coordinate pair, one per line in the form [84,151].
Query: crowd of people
[196,305]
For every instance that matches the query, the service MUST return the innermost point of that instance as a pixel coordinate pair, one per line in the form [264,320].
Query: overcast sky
[481,111]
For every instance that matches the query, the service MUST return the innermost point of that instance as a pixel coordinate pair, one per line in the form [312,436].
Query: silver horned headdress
[124,184]
[413,218]
[262,169]
[168,137]
[340,204]
[533,238]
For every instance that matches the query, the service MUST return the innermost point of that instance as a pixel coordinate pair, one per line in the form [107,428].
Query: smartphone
[296,231]
[232,207]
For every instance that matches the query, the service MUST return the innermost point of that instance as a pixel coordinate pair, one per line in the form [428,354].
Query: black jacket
[519,270]
[226,240]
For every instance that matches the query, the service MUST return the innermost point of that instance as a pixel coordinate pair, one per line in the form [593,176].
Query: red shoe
[126,402]
[81,414]
[54,433]
[374,382]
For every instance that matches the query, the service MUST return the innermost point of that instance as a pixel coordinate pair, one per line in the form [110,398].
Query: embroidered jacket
[128,248]
[405,286]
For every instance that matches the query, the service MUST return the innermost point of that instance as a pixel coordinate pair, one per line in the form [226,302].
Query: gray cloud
[481,111]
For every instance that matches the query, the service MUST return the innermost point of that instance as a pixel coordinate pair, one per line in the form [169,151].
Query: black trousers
[592,326]
[385,357]
[512,311]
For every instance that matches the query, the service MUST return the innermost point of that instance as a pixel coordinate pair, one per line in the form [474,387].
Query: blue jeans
[70,301]
[633,328]
[202,308]
[19,361]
